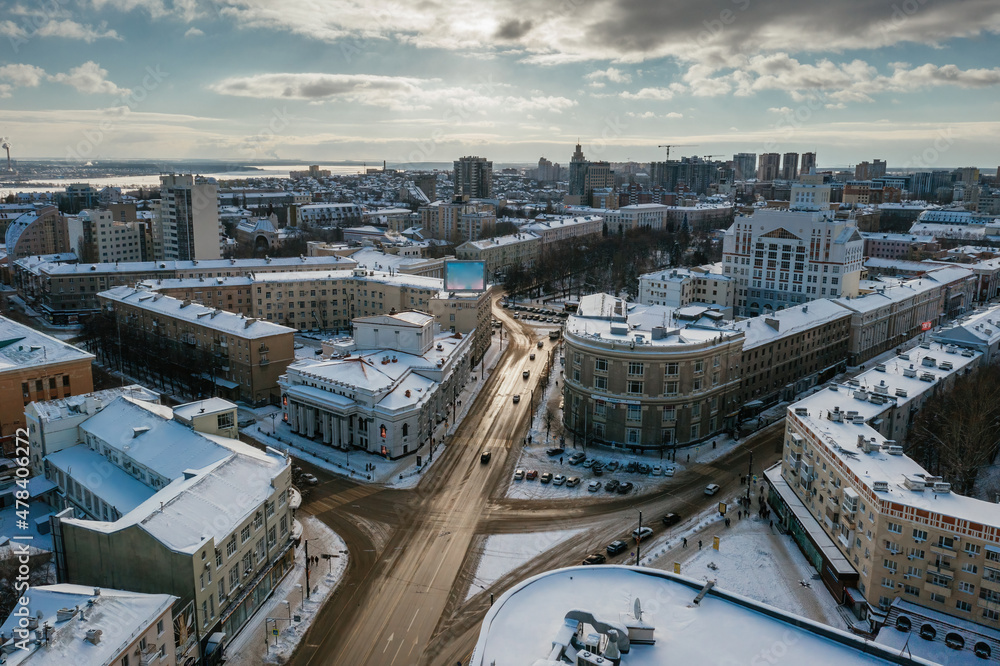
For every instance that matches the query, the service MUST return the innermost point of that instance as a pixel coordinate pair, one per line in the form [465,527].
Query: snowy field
[502,553]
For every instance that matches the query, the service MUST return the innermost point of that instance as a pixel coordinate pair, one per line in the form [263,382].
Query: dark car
[597,469]
[596,558]
[555,452]
[630,468]
[485,457]
[611,486]
[617,547]
[625,487]
[671,519]
[643,468]
[545,477]
[611,466]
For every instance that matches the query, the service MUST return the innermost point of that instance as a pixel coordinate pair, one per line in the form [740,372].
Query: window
[225,420]
[889,583]
[670,388]
[991,575]
[247,563]
[600,408]
[909,589]
[890,565]
[634,413]
[284,525]
[635,368]
[946,542]
[245,534]
[970,568]
[963,606]
[972,549]
[600,365]
[672,370]
[633,436]
[968,588]
[269,507]
[940,598]
[670,413]
[601,383]
[914,572]
[895,528]
[635,387]
[695,431]
[991,614]
[699,366]
[918,535]
[231,546]
[234,577]
[159,628]
[258,520]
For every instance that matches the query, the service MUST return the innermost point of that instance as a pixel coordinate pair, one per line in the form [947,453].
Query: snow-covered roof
[121,617]
[769,327]
[207,406]
[115,486]
[22,346]
[377,276]
[511,239]
[525,624]
[202,266]
[888,294]
[200,315]
[52,410]
[979,327]
[369,257]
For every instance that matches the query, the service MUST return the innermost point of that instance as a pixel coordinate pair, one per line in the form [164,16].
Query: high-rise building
[106,240]
[547,170]
[790,166]
[808,163]
[868,170]
[187,222]
[878,169]
[585,177]
[745,165]
[474,177]
[769,167]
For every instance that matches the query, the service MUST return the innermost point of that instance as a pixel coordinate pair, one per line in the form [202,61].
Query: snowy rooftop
[200,315]
[978,327]
[545,224]
[892,373]
[936,651]
[888,293]
[766,328]
[209,406]
[368,257]
[941,230]
[841,439]
[22,346]
[120,616]
[207,266]
[606,318]
[511,239]
[115,486]
[900,265]
[524,624]
[52,410]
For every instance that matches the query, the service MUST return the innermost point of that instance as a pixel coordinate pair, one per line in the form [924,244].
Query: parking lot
[536,315]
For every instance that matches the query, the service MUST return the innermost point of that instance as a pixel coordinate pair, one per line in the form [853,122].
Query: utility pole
[749,475]
[638,541]
[307,568]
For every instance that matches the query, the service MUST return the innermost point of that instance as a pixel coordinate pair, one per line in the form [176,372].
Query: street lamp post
[301,595]
[288,607]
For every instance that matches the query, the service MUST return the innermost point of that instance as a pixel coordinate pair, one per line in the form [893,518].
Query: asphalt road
[402,600]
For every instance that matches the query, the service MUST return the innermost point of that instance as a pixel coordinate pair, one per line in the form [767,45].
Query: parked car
[643,468]
[319,352]
[596,558]
[657,470]
[531,475]
[546,477]
[555,451]
[519,475]
[612,485]
[577,458]
[297,345]
[597,469]
[612,466]
[631,466]
[558,479]
[668,471]
[572,482]
[594,486]
[641,533]
[711,489]
[485,456]
[671,519]
[589,462]
[531,356]
[625,487]
[517,398]
[617,547]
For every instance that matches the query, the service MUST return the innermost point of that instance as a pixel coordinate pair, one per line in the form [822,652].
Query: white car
[558,480]
[519,475]
[642,533]
[657,470]
[711,489]
[668,471]
[594,486]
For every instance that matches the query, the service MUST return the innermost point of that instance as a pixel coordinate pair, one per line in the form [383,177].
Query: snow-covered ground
[245,649]
[502,553]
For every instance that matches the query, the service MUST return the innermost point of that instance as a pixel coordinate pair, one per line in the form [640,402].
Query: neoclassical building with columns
[383,390]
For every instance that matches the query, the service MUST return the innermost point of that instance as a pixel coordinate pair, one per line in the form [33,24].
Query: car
[594,486]
[657,470]
[572,482]
[319,352]
[516,316]
[485,456]
[556,451]
[668,471]
[546,477]
[298,345]
[589,462]
[531,356]
[611,486]
[643,468]
[526,374]
[517,398]
[617,547]
[612,466]
[531,475]
[671,519]
[310,479]
[577,458]
[641,533]
[597,469]
[519,475]
[625,487]
[558,479]
[540,344]
[631,467]
[596,558]
[711,489]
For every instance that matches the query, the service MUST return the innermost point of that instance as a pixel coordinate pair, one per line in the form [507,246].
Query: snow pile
[502,553]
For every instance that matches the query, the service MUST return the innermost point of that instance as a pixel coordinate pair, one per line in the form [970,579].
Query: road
[402,600]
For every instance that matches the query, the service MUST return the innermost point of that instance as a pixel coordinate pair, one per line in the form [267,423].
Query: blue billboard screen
[465,276]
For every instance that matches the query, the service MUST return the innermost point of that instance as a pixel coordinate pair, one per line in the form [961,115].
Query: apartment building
[243,356]
[648,377]
[848,493]
[678,287]
[330,301]
[157,507]
[35,366]
[769,167]
[63,292]
[745,166]
[897,246]
[328,214]
[552,229]
[979,331]
[107,240]
[659,217]
[186,225]
[502,252]
[97,626]
[41,231]
[384,390]
[473,177]
[457,221]
[780,258]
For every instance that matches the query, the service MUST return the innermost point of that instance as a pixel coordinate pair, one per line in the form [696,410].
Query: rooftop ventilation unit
[947,365]
[880,486]
[927,377]
[901,393]
[942,487]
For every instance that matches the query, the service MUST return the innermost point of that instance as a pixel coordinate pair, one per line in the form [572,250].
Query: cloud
[513,29]
[89,79]
[67,29]
[194,32]
[21,75]
[612,74]
[648,115]
[655,93]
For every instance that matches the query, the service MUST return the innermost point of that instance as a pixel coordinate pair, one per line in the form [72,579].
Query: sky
[915,82]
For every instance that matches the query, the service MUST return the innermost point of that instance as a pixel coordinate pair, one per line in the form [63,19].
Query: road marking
[415,613]
[391,636]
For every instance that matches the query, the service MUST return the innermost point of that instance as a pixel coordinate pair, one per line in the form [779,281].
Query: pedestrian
[560,460]
[685,542]
[772,524]
[699,544]
[738,516]
[689,457]
[727,522]
[713,443]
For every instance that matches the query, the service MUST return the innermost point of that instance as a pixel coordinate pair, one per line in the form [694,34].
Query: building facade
[678,287]
[187,226]
[42,231]
[107,240]
[474,177]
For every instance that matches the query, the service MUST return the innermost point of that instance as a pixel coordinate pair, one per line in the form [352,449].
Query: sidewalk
[247,647]
[401,473]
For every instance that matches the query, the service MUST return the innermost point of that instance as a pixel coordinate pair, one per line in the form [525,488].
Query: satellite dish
[637,609]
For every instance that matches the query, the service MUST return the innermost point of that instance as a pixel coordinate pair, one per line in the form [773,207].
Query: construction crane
[709,157]
[668,146]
